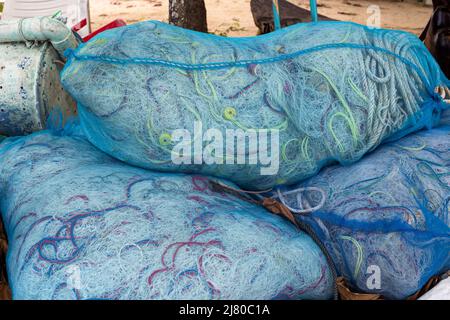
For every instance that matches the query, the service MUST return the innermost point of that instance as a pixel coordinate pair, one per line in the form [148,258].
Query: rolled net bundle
[384,220]
[333,91]
[82,225]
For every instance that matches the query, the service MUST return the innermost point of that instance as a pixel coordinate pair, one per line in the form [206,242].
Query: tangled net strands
[82,225]
[390,210]
[334,91]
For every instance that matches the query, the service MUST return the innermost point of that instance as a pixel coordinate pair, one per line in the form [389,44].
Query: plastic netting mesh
[334,91]
[82,225]
[385,220]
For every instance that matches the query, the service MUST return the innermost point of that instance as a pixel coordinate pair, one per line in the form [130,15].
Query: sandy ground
[233,17]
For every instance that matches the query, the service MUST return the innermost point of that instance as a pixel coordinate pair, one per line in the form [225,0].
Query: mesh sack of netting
[82,225]
[384,220]
[333,91]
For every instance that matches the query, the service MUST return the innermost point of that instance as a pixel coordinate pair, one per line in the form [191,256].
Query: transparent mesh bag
[384,220]
[82,225]
[332,90]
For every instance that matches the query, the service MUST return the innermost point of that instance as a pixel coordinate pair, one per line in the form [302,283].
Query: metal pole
[276,14]
[313,9]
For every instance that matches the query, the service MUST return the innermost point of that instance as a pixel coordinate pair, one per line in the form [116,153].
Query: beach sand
[234,18]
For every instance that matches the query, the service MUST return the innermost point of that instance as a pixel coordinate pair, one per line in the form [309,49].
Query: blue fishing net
[384,220]
[82,225]
[332,90]
[445,118]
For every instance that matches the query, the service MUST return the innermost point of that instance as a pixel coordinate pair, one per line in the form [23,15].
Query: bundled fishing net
[385,220]
[82,225]
[333,90]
